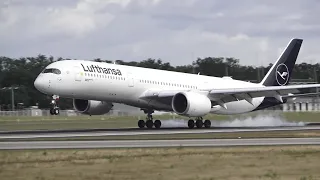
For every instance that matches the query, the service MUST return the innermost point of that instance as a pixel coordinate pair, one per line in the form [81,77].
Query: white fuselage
[89,80]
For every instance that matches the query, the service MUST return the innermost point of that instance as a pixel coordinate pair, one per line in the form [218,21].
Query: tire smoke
[259,120]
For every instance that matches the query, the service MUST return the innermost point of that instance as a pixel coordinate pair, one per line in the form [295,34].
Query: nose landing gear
[54,110]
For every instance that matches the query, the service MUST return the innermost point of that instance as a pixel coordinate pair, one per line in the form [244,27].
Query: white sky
[177,31]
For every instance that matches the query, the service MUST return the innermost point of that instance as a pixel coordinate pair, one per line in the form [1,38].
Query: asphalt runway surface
[137,131]
[157,143]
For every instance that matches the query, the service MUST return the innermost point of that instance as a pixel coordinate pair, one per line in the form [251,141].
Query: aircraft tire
[157,124]
[207,123]
[191,124]
[149,124]
[56,111]
[51,111]
[199,123]
[141,124]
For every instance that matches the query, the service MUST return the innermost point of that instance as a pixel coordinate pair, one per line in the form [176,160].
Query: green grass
[71,122]
[81,122]
[232,163]
[302,116]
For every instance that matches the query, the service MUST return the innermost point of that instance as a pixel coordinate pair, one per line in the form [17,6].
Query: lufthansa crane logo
[282,74]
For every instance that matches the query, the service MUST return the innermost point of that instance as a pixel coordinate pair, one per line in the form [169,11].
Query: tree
[23,71]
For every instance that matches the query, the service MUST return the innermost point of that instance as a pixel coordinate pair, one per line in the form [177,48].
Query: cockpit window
[52,70]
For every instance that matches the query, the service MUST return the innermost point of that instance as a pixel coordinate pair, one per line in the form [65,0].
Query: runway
[157,143]
[130,132]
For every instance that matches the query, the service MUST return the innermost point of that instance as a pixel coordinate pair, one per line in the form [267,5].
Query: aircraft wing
[235,94]
[301,95]
[222,96]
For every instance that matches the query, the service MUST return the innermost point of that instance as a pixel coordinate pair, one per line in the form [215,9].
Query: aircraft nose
[39,84]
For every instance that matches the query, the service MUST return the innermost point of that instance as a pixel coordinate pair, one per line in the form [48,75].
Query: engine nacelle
[191,104]
[92,107]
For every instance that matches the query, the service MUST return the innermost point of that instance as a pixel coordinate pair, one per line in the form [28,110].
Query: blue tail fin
[280,73]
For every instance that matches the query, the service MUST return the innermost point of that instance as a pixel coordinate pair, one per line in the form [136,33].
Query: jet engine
[92,107]
[191,104]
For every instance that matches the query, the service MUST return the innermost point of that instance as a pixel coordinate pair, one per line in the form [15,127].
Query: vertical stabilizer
[281,72]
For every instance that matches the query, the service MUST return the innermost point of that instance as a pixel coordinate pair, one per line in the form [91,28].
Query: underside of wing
[161,96]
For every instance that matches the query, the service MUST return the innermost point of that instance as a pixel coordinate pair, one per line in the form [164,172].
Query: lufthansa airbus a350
[95,86]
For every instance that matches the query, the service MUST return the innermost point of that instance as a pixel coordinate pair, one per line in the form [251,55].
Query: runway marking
[31,135]
[158,143]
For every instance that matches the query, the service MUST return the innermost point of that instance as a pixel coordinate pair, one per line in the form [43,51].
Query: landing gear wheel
[199,123]
[141,123]
[149,120]
[191,123]
[51,111]
[56,111]
[207,123]
[157,124]
[149,124]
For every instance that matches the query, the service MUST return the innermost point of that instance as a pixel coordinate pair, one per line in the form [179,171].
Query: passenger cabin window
[52,70]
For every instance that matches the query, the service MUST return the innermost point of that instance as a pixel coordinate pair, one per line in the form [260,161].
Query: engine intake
[91,107]
[191,104]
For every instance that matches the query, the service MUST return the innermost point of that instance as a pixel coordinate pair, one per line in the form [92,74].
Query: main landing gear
[149,123]
[199,123]
[54,110]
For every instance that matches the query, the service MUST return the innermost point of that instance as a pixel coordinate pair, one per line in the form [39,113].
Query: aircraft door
[77,73]
[130,80]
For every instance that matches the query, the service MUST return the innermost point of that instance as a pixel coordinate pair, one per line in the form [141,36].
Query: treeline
[22,72]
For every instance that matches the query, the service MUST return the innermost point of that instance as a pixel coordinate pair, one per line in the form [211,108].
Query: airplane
[95,86]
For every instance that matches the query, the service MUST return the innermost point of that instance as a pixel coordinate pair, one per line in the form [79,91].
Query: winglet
[281,72]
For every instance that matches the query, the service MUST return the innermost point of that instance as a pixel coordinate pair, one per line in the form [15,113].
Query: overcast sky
[177,31]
